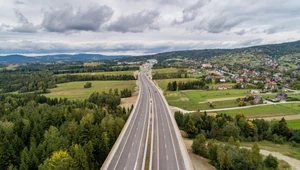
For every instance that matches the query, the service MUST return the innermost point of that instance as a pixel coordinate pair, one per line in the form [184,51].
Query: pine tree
[7,154]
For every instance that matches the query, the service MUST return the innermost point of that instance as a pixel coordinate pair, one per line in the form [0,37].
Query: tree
[231,130]
[271,162]
[174,85]
[179,119]
[7,154]
[79,157]
[60,160]
[190,129]
[199,146]
[231,140]
[256,156]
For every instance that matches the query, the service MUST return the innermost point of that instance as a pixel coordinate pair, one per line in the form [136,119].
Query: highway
[167,151]
[129,152]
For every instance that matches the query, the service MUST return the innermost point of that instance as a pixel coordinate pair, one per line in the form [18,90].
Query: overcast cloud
[143,26]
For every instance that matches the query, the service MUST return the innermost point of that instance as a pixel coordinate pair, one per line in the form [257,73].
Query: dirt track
[199,163]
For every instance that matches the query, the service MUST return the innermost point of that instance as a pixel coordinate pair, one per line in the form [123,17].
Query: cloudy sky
[143,26]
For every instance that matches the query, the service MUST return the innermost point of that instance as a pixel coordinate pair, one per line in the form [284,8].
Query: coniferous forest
[42,133]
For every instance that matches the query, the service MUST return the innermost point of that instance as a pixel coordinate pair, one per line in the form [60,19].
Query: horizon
[143,27]
[130,54]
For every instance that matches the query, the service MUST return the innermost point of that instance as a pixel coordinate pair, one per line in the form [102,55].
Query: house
[206,66]
[258,100]
[271,85]
[281,96]
[255,91]
[222,80]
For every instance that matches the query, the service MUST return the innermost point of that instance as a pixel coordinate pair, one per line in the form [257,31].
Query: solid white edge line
[169,128]
[186,157]
[112,152]
[152,135]
[148,128]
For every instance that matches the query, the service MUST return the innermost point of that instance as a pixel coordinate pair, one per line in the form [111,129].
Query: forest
[41,81]
[42,133]
[205,130]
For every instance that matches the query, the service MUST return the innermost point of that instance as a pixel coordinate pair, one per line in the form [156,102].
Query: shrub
[88,85]
[199,146]
[271,162]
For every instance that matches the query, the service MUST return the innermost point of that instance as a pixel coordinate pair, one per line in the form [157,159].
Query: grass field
[165,70]
[295,124]
[197,99]
[104,73]
[75,90]
[203,95]
[267,111]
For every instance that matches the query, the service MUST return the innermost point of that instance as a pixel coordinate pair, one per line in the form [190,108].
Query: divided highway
[129,151]
[167,151]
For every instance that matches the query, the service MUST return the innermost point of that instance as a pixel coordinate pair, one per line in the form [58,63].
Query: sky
[135,27]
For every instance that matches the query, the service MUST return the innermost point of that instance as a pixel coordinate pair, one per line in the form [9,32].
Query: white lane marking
[169,128]
[129,155]
[134,135]
[166,146]
[132,143]
[164,136]
[135,166]
[167,157]
[156,114]
[152,135]
[135,118]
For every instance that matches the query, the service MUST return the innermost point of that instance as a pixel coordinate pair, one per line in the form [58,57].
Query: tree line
[167,75]
[71,78]
[26,81]
[190,85]
[223,126]
[37,132]
[41,81]
[224,156]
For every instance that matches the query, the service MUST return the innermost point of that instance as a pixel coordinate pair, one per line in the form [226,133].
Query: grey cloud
[19,2]
[24,25]
[66,19]
[190,13]
[219,24]
[251,42]
[241,32]
[135,23]
[273,30]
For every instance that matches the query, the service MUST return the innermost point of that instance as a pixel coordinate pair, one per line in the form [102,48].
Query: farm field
[181,100]
[267,111]
[295,124]
[130,72]
[75,90]
[165,70]
[203,95]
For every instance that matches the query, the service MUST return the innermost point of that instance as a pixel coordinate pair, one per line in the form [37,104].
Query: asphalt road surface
[129,152]
[166,152]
